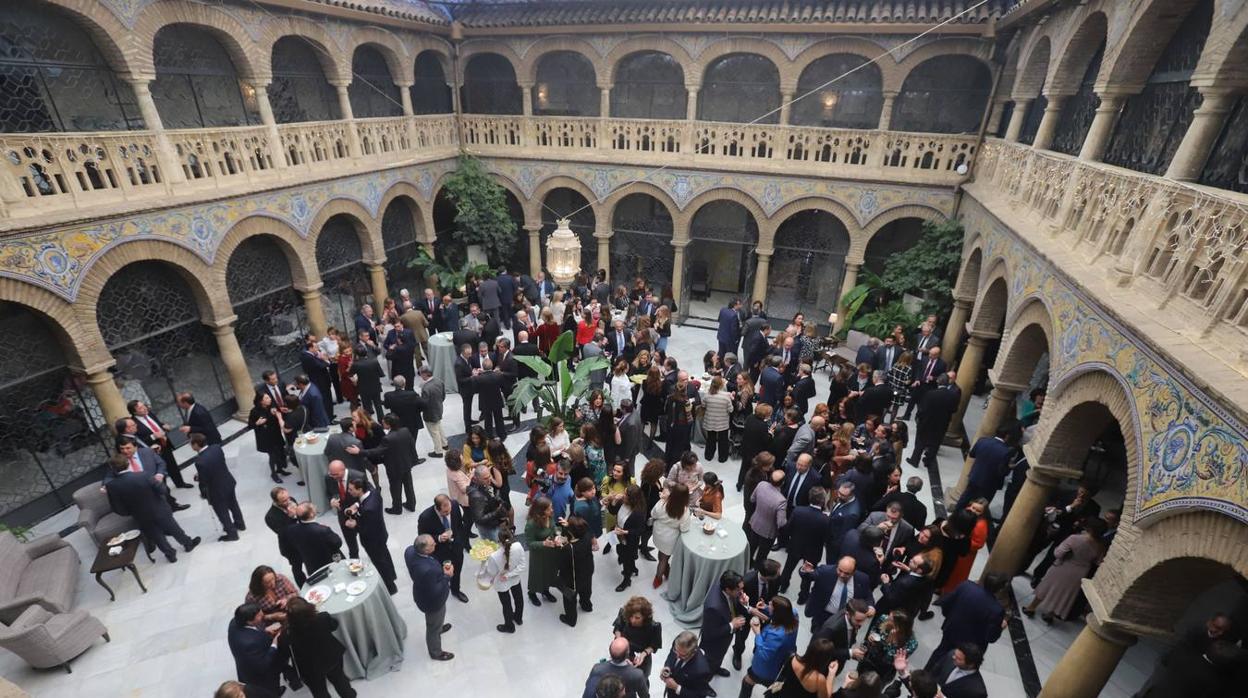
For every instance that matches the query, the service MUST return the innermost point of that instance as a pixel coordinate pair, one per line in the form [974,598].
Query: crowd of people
[822,484]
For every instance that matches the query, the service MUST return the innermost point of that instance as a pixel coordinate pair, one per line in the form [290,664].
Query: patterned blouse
[271,602]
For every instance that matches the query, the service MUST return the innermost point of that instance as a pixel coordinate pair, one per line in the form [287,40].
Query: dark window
[741,88]
[945,94]
[196,85]
[807,266]
[565,86]
[372,91]
[346,282]
[430,93]
[490,86]
[300,91]
[1031,121]
[1227,166]
[271,321]
[1079,110]
[722,256]
[641,242]
[852,100]
[398,236]
[649,85]
[53,78]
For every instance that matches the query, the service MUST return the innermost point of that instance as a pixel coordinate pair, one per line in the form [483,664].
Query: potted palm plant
[557,388]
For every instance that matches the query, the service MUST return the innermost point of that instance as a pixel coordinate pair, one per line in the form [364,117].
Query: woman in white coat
[502,572]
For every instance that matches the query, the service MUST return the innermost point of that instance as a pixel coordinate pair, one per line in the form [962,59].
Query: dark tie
[342,491]
[927,375]
[844,596]
[446,522]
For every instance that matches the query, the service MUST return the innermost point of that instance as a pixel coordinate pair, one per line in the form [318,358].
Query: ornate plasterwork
[1194,453]
[127,11]
[58,260]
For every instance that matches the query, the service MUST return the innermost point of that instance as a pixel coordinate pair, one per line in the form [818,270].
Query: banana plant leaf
[538,365]
[562,349]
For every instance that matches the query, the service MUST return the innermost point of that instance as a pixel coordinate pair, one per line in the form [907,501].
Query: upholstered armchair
[42,572]
[46,639]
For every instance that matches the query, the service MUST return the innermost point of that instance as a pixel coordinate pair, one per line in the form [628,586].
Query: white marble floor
[171,640]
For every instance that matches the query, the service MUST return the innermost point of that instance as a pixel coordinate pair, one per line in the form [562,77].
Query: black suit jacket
[488,387]
[370,521]
[509,367]
[936,409]
[367,371]
[316,369]
[808,530]
[137,495]
[430,523]
[717,613]
[460,337]
[315,543]
[843,635]
[215,478]
[876,400]
[752,588]
[803,391]
[200,421]
[694,677]
[970,686]
[938,367]
[346,500]
[278,521]
[881,357]
[256,660]
[913,511]
[906,592]
[408,405]
[314,648]
[397,451]
[527,349]
[463,376]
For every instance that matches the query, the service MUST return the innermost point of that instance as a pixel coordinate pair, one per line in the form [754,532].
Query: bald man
[620,667]
[834,586]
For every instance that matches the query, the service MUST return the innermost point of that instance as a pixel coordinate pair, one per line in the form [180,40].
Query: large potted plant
[447,278]
[557,389]
[482,220]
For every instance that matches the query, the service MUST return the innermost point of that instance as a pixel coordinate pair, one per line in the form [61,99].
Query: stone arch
[390,48]
[408,190]
[299,254]
[728,46]
[478,46]
[767,227]
[115,42]
[314,34]
[639,44]
[868,50]
[680,230]
[1142,40]
[882,219]
[612,200]
[212,299]
[528,69]
[365,224]
[534,210]
[80,340]
[1033,70]
[419,43]
[1029,337]
[944,47]
[988,316]
[1067,71]
[250,61]
[1225,58]
[968,276]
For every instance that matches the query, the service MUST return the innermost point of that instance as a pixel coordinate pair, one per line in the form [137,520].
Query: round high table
[442,360]
[369,626]
[313,467]
[698,562]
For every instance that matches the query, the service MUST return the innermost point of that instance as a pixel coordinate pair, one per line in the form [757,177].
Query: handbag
[786,671]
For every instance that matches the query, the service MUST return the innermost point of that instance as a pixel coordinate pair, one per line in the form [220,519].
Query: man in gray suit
[618,666]
[488,293]
[433,390]
[591,349]
[627,434]
[339,447]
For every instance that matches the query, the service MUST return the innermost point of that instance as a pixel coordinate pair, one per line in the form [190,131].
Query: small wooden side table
[123,560]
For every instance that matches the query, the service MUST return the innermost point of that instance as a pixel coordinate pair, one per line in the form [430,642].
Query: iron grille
[853,101]
[1079,110]
[807,266]
[372,91]
[1227,166]
[1031,121]
[649,85]
[490,86]
[196,85]
[299,91]
[271,321]
[642,248]
[337,246]
[740,88]
[398,235]
[946,94]
[565,86]
[430,93]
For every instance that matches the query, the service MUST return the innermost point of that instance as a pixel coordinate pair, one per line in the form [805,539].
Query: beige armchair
[96,515]
[46,639]
[43,572]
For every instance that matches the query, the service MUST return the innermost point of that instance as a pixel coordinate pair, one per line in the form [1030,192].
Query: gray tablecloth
[369,626]
[697,563]
[442,360]
[313,467]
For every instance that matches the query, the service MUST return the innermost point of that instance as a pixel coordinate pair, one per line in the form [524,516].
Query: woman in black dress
[266,421]
[652,399]
[679,423]
[293,423]
[636,624]
[756,438]
[315,650]
[651,473]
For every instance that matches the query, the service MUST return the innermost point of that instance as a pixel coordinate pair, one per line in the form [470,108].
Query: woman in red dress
[979,536]
[345,356]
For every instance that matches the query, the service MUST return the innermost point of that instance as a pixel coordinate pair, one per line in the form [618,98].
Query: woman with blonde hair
[663,326]
[671,518]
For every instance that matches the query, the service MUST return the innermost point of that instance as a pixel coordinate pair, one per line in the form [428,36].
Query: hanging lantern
[563,253]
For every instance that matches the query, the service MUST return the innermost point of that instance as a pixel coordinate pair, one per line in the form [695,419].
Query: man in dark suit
[913,511]
[686,672]
[463,377]
[401,348]
[723,614]
[218,484]
[366,368]
[315,543]
[729,332]
[755,349]
[973,613]
[505,361]
[875,400]
[134,494]
[935,412]
[155,436]
[844,514]
[317,368]
[620,342]
[368,521]
[834,586]
[799,480]
[887,355]
[771,383]
[258,656]
[927,373]
[311,399]
[340,499]
[431,306]
[545,286]
[808,530]
[141,459]
[761,585]
[491,329]
[487,291]
[506,297]
[364,321]
[431,584]
[488,386]
[409,406]
[271,384]
[990,463]
[909,587]
[398,452]
[924,340]
[628,434]
[528,286]
[444,521]
[957,673]
[197,420]
[346,447]
[842,632]
[866,353]
[279,517]
[803,389]
[632,680]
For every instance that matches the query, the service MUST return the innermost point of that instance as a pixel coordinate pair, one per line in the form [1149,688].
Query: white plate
[115,541]
[114,551]
[318,594]
[357,587]
[131,534]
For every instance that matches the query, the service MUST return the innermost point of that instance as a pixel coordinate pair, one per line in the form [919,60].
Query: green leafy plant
[481,213]
[880,321]
[21,533]
[868,292]
[929,269]
[557,388]
[450,278]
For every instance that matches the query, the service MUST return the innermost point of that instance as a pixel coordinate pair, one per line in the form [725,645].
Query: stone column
[604,102]
[107,393]
[1097,140]
[166,157]
[968,371]
[314,308]
[691,111]
[760,275]
[886,111]
[956,328]
[526,95]
[377,277]
[405,94]
[1000,405]
[602,235]
[235,365]
[1017,118]
[678,274]
[535,247]
[851,280]
[344,107]
[786,96]
[994,116]
[1020,526]
[266,117]
[1048,123]
[1202,135]
[1086,666]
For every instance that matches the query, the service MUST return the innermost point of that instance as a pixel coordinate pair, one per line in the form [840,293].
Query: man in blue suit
[258,657]
[844,515]
[729,327]
[973,613]
[431,585]
[772,387]
[142,459]
[198,419]
[311,399]
[723,613]
[217,484]
[834,586]
[686,672]
[989,465]
[370,523]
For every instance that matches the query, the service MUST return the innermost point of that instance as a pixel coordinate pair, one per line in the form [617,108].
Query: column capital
[140,81]
[533,228]
[340,83]
[1110,631]
[374,264]
[310,290]
[223,325]
[100,372]
[404,85]
[964,302]
[982,338]
[854,266]
[767,253]
[693,86]
[605,85]
[1217,99]
[680,245]
[1041,479]
[526,84]
[1008,391]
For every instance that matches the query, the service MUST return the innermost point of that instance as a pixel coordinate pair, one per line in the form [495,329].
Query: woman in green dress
[543,537]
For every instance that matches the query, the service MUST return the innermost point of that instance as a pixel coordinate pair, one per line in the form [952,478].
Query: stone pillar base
[1086,666]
